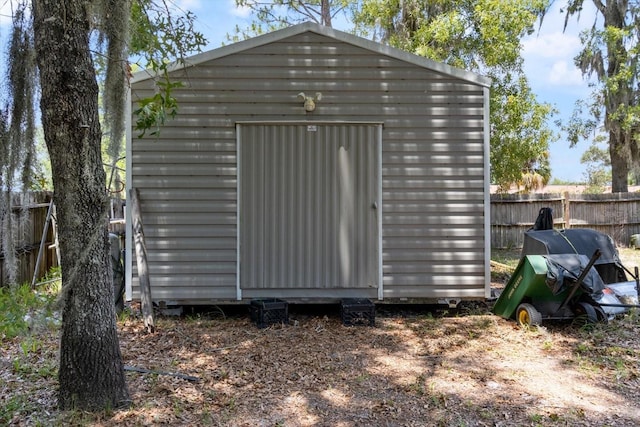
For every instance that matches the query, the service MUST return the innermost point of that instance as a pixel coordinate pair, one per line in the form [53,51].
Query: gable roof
[329,32]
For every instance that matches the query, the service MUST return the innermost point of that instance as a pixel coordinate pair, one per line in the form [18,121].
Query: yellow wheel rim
[523,318]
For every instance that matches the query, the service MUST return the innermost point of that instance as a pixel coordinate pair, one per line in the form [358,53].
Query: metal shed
[381,191]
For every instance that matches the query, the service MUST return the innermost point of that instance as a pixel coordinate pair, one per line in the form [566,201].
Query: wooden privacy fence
[29,214]
[617,215]
[29,217]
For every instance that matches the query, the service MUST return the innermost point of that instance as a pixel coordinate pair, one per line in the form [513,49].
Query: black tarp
[564,270]
[544,220]
[582,241]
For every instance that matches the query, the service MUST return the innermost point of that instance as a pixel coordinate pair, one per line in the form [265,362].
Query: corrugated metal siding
[307,214]
[432,166]
[188,194]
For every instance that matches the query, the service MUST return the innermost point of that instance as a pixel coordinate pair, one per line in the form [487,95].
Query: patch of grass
[34,362]
[125,315]
[418,386]
[537,419]
[178,406]
[486,414]
[503,263]
[75,417]
[14,406]
[14,305]
[630,257]
[483,322]
[509,257]
[583,348]
[425,325]
[231,404]
[21,307]
[32,371]
[610,347]
[362,377]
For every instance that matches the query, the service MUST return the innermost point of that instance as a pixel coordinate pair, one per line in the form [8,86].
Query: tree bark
[619,162]
[91,373]
[619,138]
[325,12]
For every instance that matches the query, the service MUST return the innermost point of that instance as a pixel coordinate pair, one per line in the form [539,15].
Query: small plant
[177,406]
[13,406]
[486,414]
[362,377]
[231,404]
[536,418]
[30,345]
[28,368]
[418,385]
[439,400]
[484,322]
[21,307]
[125,315]
[206,417]
[621,370]
[15,303]
[532,329]
[583,348]
[47,371]
[20,368]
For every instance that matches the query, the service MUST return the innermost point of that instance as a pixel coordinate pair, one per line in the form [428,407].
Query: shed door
[309,198]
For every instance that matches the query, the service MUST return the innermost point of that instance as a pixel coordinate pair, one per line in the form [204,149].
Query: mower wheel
[585,314]
[601,314]
[527,315]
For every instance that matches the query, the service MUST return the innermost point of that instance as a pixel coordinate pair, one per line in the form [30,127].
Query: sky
[548,57]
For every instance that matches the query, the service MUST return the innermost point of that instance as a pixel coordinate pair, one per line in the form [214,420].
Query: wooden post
[45,230]
[141,261]
[56,243]
[567,211]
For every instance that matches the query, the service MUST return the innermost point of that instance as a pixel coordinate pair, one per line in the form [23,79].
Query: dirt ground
[414,368]
[417,367]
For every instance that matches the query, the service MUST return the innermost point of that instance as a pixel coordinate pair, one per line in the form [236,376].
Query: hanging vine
[17,131]
[112,19]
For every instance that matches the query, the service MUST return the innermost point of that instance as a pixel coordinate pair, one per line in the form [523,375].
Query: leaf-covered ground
[415,368]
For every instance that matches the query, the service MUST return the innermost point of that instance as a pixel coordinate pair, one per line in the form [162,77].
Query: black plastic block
[358,311]
[266,312]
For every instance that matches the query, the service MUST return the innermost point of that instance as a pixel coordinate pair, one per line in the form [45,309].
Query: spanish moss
[113,20]
[21,89]
[17,132]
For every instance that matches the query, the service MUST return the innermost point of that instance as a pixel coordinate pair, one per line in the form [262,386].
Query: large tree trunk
[91,372]
[619,162]
[619,138]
